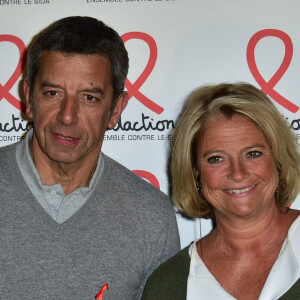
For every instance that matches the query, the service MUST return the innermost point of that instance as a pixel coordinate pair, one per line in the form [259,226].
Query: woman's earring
[277,189]
[276,192]
[198,184]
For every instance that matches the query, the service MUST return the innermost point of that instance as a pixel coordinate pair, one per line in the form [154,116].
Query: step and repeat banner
[174,46]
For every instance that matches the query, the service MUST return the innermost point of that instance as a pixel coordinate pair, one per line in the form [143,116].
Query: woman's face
[236,167]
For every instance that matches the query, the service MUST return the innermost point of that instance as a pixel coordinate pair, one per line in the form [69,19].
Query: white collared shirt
[284,273]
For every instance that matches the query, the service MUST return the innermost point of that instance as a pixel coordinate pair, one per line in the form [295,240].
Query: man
[71,218]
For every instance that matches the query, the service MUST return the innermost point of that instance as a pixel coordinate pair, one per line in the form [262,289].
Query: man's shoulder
[9,172]
[7,153]
[8,148]
[127,179]
[135,192]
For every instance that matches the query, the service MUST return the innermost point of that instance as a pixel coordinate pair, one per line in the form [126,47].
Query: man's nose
[68,112]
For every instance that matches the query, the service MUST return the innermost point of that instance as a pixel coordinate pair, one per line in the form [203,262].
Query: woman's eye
[254,154]
[214,159]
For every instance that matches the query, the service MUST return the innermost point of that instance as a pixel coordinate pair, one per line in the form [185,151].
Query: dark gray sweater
[124,231]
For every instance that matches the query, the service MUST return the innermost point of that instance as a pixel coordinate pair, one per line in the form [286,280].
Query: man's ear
[26,89]
[121,104]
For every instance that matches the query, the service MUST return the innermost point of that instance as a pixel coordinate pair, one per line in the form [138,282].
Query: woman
[235,160]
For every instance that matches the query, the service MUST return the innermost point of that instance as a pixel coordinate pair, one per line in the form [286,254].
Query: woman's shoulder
[293,293]
[293,222]
[177,264]
[295,213]
[168,282]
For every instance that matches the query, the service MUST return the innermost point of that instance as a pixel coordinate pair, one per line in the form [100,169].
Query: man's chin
[63,158]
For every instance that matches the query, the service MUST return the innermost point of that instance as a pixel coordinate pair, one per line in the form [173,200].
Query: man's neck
[70,176]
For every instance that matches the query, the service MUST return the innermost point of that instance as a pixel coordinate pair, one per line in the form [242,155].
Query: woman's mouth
[240,191]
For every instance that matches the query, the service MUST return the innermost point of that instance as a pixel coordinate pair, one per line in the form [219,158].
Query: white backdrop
[174,46]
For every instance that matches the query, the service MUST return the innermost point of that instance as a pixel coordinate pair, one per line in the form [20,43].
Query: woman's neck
[249,235]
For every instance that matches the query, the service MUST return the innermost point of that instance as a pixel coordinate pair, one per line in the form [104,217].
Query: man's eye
[90,97]
[52,93]
[214,159]
[254,154]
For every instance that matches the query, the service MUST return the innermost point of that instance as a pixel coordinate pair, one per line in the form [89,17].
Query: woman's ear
[196,172]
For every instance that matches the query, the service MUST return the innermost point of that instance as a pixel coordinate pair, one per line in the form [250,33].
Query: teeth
[66,138]
[241,191]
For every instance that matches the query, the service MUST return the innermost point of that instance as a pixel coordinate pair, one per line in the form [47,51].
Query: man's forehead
[51,60]
[58,69]
[47,54]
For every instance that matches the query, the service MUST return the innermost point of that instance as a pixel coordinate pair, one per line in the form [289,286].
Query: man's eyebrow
[49,84]
[98,90]
[94,90]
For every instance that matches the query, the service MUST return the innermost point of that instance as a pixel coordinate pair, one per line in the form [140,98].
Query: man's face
[72,99]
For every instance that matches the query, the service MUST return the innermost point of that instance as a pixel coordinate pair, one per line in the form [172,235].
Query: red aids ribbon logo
[268,87]
[148,176]
[99,296]
[133,88]
[4,89]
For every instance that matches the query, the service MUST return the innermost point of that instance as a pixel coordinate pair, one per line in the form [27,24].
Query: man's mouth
[65,138]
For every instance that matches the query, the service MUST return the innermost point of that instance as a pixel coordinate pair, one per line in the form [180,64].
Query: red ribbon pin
[99,296]
[268,87]
[4,89]
[133,88]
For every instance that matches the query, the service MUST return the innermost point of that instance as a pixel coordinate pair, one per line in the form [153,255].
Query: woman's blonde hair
[225,99]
